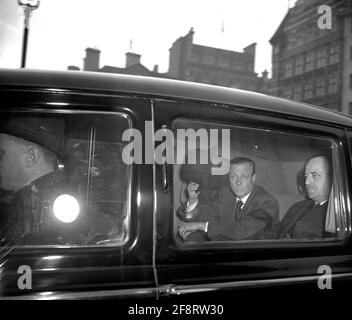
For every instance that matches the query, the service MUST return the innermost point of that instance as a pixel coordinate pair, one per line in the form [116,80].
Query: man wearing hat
[30,183]
[29,150]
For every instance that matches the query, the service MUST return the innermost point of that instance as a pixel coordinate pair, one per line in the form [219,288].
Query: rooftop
[165,88]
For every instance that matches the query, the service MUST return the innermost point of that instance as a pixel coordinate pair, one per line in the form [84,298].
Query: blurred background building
[309,63]
[192,62]
[133,65]
[312,64]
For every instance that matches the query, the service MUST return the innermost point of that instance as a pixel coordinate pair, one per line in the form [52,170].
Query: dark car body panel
[151,263]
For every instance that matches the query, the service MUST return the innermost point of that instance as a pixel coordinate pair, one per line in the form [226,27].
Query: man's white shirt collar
[320,203]
[244,199]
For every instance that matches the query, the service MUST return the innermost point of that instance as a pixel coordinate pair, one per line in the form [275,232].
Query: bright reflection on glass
[49,269]
[52,257]
[138,199]
[66,208]
[57,103]
[47,293]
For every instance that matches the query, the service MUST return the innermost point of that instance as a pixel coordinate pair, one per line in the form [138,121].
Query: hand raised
[193,191]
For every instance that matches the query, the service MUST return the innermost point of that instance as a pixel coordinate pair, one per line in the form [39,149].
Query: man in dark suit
[306,219]
[243,211]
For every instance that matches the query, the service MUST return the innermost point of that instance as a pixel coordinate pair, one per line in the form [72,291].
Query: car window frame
[342,221]
[246,115]
[38,109]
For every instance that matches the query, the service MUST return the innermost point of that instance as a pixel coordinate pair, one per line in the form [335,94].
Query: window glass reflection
[63,181]
[279,185]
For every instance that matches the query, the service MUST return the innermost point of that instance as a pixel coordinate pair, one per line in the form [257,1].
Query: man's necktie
[238,207]
[317,205]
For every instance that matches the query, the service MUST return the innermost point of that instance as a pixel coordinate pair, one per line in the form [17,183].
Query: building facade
[310,63]
[133,65]
[192,62]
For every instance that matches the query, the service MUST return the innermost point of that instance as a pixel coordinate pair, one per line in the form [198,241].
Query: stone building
[314,64]
[193,62]
[133,65]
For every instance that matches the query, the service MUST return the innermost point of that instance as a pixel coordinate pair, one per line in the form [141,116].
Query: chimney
[132,59]
[91,61]
[265,75]
[250,53]
[189,35]
[156,68]
[73,68]
[250,49]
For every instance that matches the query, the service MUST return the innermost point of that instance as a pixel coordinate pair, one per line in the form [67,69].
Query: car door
[115,264]
[280,145]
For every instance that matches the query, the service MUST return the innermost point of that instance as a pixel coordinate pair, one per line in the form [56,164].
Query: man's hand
[192,192]
[187,228]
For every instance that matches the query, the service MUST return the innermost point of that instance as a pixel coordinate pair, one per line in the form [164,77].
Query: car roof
[165,88]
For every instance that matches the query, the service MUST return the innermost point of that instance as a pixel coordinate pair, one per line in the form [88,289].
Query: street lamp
[28,6]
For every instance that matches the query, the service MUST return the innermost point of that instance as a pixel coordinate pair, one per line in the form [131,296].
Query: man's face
[241,179]
[11,164]
[317,179]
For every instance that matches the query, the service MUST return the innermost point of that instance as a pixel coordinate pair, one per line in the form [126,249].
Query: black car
[125,145]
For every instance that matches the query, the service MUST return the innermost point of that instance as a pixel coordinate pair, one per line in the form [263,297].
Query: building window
[275,70]
[291,40]
[309,32]
[224,63]
[297,92]
[299,65]
[300,37]
[287,92]
[192,57]
[320,86]
[334,54]
[197,77]
[333,85]
[309,61]
[308,90]
[321,58]
[208,60]
[288,68]
[214,80]
[238,65]
[297,37]
[190,74]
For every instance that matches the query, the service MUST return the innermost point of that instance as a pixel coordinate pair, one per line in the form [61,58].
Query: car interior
[279,159]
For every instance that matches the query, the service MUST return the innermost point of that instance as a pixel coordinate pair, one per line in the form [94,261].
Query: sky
[61,30]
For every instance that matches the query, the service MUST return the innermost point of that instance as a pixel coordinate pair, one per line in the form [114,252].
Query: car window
[268,185]
[63,181]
